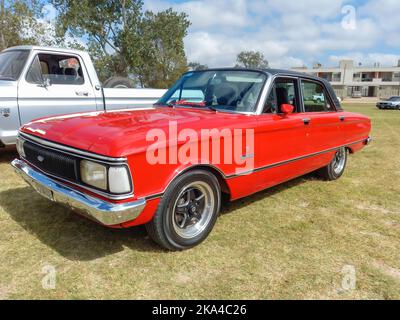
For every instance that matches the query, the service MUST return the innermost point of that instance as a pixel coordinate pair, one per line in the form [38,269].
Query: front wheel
[187,212]
[335,169]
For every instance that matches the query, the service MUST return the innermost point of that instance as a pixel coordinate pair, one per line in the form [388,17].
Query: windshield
[394,99]
[233,90]
[12,63]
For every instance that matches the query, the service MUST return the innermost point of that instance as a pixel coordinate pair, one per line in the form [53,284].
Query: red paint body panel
[285,147]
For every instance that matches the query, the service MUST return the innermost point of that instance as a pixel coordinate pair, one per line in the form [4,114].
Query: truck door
[54,84]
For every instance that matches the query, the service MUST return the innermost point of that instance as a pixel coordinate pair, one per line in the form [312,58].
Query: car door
[280,140]
[54,84]
[322,121]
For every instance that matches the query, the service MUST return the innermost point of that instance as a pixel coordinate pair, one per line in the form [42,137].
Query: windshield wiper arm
[201,104]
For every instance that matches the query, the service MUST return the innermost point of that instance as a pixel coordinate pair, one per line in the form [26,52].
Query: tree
[20,24]
[195,66]
[251,59]
[126,41]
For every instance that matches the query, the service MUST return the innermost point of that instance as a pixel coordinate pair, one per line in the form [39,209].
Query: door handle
[82,93]
[307,121]
[342,118]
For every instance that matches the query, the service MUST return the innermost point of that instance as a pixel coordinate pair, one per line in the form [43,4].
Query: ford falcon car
[216,132]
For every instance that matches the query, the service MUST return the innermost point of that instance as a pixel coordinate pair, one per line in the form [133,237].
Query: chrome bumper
[102,211]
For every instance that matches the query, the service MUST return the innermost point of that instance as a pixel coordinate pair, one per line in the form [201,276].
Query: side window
[283,92]
[59,69]
[34,74]
[314,97]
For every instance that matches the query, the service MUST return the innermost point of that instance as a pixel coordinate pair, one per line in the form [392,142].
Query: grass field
[292,241]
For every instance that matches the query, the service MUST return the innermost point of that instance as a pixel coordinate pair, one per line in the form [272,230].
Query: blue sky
[290,33]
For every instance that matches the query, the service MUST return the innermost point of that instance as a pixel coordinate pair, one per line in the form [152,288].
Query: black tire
[335,169]
[118,82]
[164,228]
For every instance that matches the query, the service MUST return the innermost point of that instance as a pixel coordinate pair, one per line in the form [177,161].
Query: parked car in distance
[127,168]
[391,103]
[38,82]
[319,97]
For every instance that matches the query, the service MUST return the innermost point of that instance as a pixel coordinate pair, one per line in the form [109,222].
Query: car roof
[32,47]
[271,72]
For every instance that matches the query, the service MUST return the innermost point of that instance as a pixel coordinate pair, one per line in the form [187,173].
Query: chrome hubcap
[193,209]
[339,161]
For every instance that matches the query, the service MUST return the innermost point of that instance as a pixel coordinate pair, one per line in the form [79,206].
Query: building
[349,80]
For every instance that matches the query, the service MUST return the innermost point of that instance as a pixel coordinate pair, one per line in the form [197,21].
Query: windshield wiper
[190,104]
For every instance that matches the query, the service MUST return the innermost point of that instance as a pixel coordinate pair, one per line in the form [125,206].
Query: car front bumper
[104,212]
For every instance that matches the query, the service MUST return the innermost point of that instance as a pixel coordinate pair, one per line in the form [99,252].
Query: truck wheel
[335,169]
[187,211]
[119,82]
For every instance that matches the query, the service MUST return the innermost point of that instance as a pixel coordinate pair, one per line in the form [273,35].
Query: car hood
[124,132]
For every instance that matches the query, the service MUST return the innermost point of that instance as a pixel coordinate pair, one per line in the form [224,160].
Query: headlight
[119,181]
[94,174]
[20,147]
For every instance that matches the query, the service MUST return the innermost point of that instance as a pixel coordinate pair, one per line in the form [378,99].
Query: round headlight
[94,174]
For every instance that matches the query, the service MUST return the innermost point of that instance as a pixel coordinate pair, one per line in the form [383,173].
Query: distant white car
[318,97]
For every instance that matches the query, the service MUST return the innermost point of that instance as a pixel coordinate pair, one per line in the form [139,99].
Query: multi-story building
[349,80]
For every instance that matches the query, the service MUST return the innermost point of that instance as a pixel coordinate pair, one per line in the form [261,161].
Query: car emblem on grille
[40,158]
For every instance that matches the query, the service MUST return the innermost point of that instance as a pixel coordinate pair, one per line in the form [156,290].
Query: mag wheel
[336,168]
[187,212]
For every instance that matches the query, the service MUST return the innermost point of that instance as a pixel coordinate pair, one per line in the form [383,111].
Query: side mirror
[45,83]
[287,108]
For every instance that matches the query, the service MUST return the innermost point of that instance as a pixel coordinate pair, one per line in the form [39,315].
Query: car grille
[52,162]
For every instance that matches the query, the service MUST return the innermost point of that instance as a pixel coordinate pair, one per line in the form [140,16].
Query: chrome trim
[99,210]
[277,164]
[368,141]
[83,186]
[72,151]
[232,176]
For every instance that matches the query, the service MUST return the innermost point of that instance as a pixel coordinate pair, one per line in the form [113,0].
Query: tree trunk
[2,16]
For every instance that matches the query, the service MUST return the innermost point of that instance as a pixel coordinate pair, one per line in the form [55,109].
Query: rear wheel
[335,169]
[187,212]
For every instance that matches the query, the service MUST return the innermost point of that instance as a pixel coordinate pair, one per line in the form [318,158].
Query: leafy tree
[197,66]
[19,24]
[126,41]
[251,59]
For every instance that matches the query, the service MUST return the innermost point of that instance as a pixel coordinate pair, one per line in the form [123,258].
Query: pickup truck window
[11,64]
[59,69]
[314,97]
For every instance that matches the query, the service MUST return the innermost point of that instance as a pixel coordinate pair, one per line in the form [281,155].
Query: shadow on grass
[71,235]
[228,207]
[79,239]
[8,154]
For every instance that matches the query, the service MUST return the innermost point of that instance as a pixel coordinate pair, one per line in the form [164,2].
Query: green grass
[291,241]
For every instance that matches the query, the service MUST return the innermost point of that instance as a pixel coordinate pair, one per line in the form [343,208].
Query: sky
[290,33]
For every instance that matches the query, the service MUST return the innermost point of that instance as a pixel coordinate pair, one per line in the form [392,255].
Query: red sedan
[220,131]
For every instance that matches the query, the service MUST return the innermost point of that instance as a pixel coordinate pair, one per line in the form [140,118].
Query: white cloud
[287,33]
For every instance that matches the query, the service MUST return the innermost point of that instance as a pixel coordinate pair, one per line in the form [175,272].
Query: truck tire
[119,82]
[187,211]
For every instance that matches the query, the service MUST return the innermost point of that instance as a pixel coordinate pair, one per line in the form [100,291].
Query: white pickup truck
[37,82]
